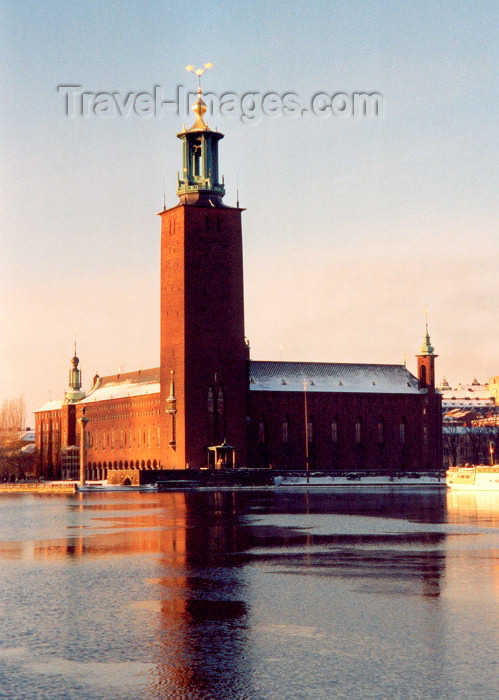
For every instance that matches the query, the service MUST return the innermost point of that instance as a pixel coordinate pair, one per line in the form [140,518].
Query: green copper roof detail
[427,348]
[74,392]
[200,174]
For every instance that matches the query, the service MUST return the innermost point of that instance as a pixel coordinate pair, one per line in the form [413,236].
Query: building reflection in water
[197,612]
[473,507]
[204,646]
[477,509]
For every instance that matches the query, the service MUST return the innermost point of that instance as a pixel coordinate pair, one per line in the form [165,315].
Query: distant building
[470,423]
[209,404]
[494,389]
[474,396]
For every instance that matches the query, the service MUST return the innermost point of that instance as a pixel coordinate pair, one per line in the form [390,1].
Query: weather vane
[199,72]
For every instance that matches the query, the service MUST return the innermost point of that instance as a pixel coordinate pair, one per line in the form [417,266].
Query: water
[250,595]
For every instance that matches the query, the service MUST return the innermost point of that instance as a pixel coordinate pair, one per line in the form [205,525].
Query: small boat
[479,478]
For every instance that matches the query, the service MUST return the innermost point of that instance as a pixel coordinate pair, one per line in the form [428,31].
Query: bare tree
[13,415]
[451,435]
[14,463]
[490,430]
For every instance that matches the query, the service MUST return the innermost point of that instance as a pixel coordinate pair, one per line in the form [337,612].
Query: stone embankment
[38,487]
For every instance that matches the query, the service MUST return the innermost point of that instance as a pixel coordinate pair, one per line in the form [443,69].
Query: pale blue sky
[352,226]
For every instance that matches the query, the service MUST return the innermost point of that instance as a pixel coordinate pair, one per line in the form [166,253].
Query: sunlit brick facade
[208,393]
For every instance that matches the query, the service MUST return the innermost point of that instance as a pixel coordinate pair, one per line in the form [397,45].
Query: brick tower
[432,409]
[203,352]
[426,364]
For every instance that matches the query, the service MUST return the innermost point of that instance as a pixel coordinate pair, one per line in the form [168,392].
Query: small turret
[426,363]
[74,392]
[199,182]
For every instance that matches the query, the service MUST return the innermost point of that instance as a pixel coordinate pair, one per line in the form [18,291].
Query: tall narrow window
[358,431]
[211,416]
[220,409]
[422,375]
[196,157]
[173,441]
[334,430]
[310,433]
[381,431]
[285,430]
[261,431]
[402,432]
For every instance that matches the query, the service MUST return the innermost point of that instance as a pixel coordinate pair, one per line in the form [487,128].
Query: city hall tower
[203,356]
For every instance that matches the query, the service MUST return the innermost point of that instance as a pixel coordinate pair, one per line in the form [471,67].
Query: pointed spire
[199,107]
[427,348]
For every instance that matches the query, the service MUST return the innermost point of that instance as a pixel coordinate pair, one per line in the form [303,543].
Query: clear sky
[353,226]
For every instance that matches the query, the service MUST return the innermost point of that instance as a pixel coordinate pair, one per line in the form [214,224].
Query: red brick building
[207,392]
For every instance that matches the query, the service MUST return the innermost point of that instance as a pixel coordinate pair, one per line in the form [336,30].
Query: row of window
[100,416]
[121,439]
[334,430]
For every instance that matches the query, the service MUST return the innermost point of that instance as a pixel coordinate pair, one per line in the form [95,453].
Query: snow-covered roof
[466,395]
[331,377]
[118,386]
[50,406]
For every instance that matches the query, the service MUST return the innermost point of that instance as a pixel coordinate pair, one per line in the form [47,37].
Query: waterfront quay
[44,487]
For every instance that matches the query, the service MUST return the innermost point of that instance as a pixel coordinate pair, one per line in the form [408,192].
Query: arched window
[422,375]
[211,404]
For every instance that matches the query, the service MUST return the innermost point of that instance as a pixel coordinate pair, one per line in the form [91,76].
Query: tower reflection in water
[196,584]
[203,611]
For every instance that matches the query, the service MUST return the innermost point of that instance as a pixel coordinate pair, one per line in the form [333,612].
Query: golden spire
[199,106]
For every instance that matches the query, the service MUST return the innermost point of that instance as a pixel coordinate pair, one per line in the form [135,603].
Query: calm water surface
[249,594]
